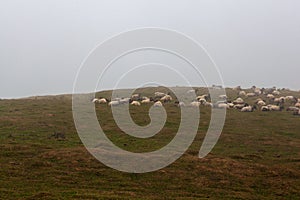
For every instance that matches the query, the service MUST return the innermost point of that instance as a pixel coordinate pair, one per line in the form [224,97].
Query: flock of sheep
[267,100]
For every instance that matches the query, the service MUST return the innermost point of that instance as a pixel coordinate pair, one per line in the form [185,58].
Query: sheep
[270,96]
[239,106]
[223,97]
[157,104]
[222,105]
[242,93]
[125,100]
[279,100]
[135,103]
[95,100]
[261,103]
[205,96]
[181,104]
[238,101]
[114,103]
[195,104]
[257,91]
[208,104]
[190,91]
[146,101]
[230,105]
[275,108]
[251,94]
[276,92]
[292,108]
[296,112]
[265,108]
[101,101]
[289,98]
[297,105]
[159,94]
[248,109]
[238,88]
[166,98]
[202,101]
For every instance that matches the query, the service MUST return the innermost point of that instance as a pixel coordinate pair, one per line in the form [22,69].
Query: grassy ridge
[257,156]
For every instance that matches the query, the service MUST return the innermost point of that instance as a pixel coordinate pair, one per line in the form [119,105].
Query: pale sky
[43,43]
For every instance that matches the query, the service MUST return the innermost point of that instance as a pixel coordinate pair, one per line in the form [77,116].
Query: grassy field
[256,157]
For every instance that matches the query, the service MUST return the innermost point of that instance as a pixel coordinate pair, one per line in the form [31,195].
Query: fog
[43,43]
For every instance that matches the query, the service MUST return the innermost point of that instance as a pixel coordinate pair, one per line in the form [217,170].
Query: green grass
[256,157]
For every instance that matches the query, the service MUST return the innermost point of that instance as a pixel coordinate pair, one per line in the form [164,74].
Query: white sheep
[274,108]
[276,92]
[270,96]
[297,105]
[124,100]
[247,109]
[222,105]
[261,103]
[251,94]
[135,103]
[265,108]
[114,103]
[146,101]
[158,104]
[159,94]
[181,104]
[202,101]
[166,98]
[195,104]
[242,93]
[238,101]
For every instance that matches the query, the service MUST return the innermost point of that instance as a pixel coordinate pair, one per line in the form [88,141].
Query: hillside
[42,157]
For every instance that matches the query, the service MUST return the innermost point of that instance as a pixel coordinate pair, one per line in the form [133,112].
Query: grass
[256,157]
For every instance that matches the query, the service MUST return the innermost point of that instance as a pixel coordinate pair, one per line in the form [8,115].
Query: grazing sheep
[276,92]
[146,101]
[101,101]
[205,96]
[230,105]
[275,108]
[296,112]
[190,91]
[158,104]
[95,100]
[114,103]
[195,104]
[242,93]
[125,100]
[159,94]
[166,98]
[238,101]
[135,103]
[248,109]
[181,104]
[279,100]
[239,106]
[290,98]
[265,108]
[251,94]
[292,108]
[222,105]
[270,96]
[202,101]
[257,91]
[261,103]
[297,105]
[223,97]
[208,104]
[238,88]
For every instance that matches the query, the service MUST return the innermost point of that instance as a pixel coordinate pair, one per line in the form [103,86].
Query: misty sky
[43,43]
